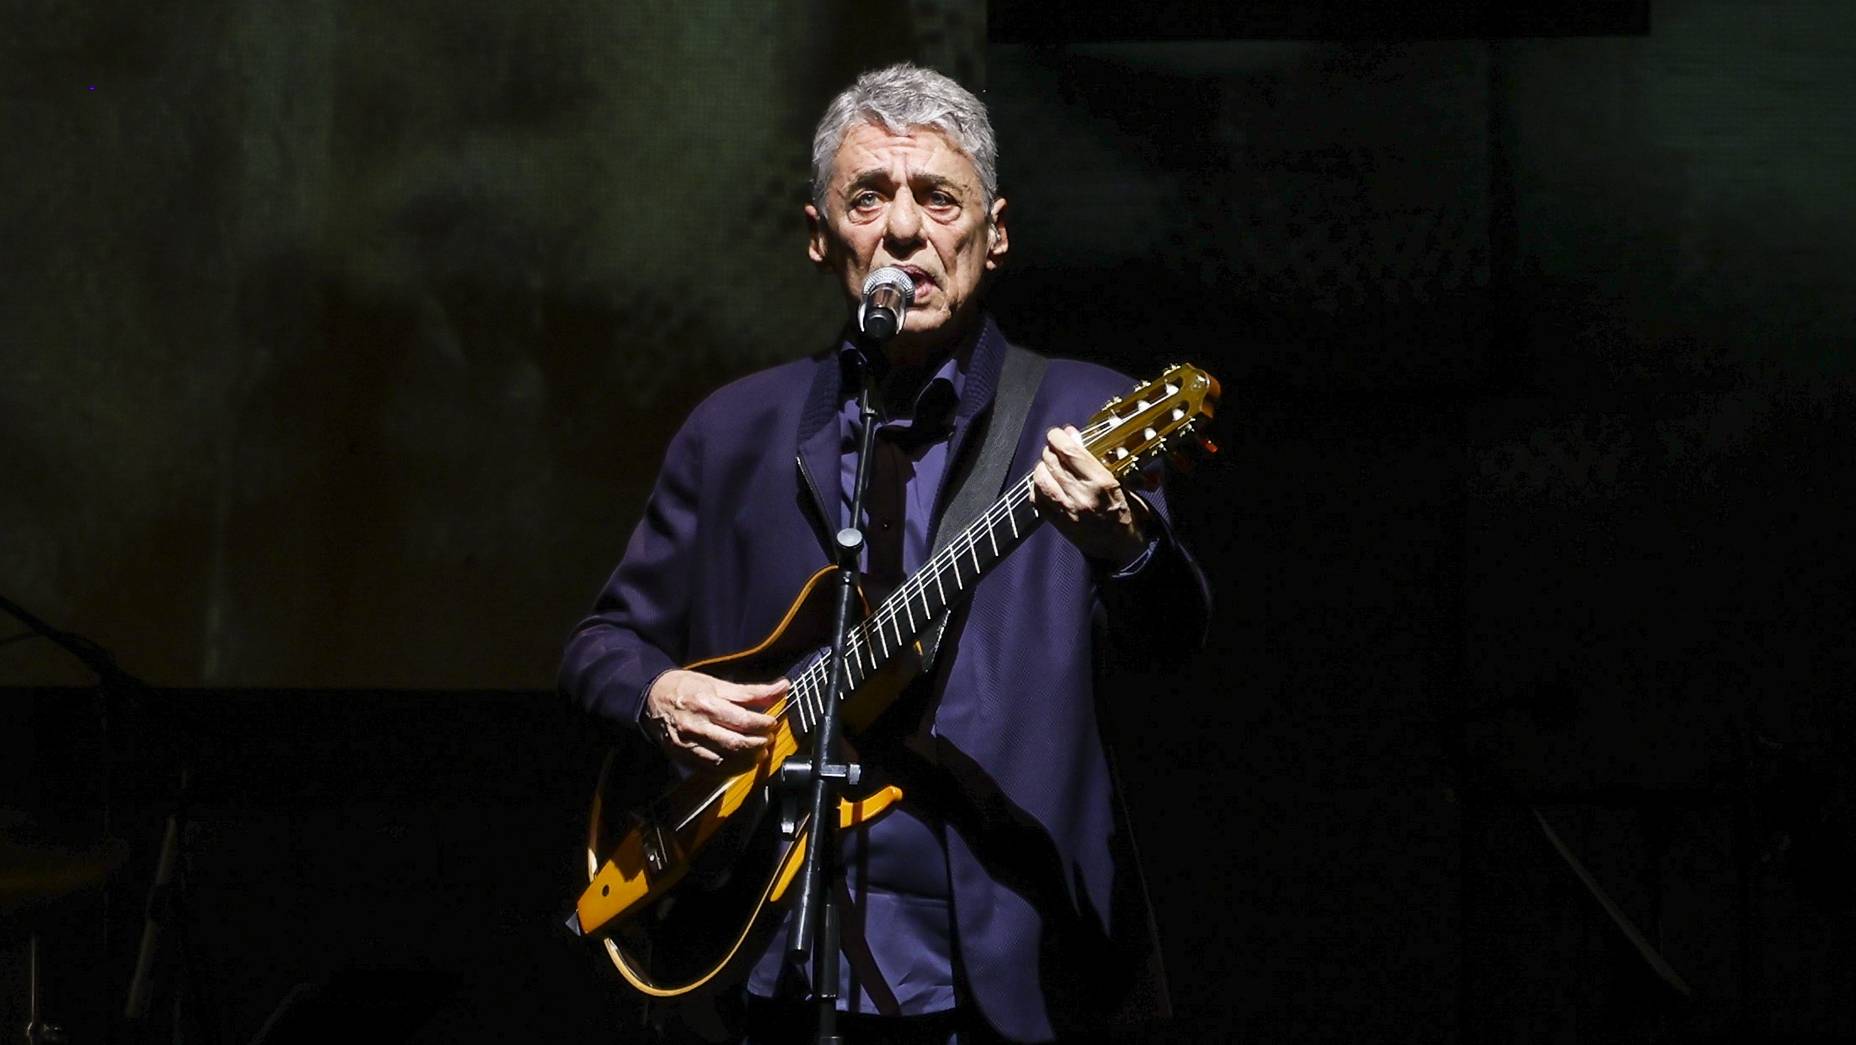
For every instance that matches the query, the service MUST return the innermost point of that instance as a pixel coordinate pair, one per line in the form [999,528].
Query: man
[1001,897]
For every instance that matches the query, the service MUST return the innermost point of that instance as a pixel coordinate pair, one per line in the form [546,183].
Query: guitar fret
[897,621]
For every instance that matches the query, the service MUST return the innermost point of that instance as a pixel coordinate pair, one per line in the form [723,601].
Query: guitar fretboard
[920,600]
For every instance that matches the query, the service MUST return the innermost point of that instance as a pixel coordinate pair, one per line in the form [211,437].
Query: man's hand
[704,721]
[1085,502]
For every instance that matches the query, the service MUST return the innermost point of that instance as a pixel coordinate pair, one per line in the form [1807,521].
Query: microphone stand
[113,684]
[815,928]
[165,904]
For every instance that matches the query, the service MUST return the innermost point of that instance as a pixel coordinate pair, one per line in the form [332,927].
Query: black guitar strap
[980,478]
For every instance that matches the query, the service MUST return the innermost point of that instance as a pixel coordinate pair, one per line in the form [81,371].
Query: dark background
[341,341]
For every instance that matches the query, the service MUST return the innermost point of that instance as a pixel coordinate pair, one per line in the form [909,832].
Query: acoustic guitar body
[687,875]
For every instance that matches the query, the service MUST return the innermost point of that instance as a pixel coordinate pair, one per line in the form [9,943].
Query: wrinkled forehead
[871,146]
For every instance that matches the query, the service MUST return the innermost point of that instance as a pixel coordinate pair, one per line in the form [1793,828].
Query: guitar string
[1004,509]
[807,688]
[866,634]
[865,637]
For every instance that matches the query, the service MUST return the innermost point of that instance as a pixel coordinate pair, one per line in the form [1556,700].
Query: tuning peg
[1207,445]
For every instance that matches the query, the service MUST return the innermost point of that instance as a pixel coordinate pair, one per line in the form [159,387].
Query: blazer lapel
[819,436]
[818,450]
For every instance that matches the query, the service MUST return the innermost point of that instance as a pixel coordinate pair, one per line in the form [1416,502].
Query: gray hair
[901,98]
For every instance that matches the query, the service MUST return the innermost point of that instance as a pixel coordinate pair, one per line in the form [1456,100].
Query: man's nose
[904,222]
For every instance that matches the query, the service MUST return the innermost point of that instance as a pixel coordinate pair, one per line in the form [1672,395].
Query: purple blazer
[1051,919]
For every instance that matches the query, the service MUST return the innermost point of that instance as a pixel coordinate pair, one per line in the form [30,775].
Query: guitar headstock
[1161,418]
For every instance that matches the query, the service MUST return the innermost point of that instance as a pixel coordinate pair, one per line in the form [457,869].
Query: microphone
[888,293]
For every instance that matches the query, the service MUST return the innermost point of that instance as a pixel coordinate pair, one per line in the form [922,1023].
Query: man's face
[913,201]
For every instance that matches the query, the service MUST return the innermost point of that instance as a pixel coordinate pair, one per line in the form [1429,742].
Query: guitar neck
[923,598]
[1128,433]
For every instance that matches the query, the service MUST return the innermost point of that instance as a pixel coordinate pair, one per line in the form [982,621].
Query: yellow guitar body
[651,858]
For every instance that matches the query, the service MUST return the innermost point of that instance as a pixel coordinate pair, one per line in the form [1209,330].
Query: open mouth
[918,277]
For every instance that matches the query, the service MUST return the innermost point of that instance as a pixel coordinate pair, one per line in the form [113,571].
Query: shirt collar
[937,398]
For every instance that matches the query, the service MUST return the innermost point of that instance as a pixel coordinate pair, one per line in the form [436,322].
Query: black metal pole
[815,924]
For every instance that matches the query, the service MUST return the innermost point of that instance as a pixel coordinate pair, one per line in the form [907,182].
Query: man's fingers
[761,692]
[1083,464]
[745,701]
[1068,444]
[1068,491]
[686,744]
[1074,472]
[738,718]
[1059,474]
[720,737]
[706,720]
[1045,479]
[1065,442]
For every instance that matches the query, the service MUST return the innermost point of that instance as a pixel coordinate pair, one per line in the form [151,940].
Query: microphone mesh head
[894,277]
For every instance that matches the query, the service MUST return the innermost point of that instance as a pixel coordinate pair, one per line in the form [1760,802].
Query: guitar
[677,883]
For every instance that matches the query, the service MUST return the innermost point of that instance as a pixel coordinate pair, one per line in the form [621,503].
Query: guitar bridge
[657,849]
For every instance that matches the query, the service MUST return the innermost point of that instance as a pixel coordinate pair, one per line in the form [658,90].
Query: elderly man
[1000,899]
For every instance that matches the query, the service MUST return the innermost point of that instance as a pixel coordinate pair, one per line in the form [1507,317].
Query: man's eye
[938,198]
[866,198]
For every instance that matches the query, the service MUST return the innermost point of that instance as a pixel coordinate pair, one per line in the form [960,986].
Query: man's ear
[818,244]
[997,242]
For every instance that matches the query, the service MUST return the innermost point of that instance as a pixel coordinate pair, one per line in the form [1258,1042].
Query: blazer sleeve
[639,625]
[1160,606]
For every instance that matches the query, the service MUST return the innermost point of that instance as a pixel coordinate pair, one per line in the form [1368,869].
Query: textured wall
[352,334]
[343,340]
